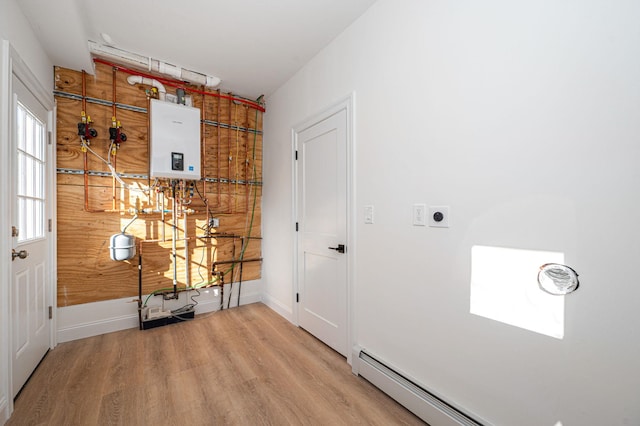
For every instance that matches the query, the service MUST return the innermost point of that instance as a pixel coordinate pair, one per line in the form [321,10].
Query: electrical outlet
[439,216]
[368,214]
[419,215]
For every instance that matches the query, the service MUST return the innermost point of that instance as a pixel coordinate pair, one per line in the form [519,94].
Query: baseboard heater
[423,403]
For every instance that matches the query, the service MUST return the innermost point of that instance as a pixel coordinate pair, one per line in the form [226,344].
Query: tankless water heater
[175,141]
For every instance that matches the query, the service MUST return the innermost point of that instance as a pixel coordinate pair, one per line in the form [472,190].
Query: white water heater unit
[175,141]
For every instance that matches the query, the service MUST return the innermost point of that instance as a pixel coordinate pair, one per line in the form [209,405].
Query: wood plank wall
[230,130]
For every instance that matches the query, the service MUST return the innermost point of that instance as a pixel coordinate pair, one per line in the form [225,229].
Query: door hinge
[297,297]
[50,312]
[296,154]
[49,137]
[50,225]
[296,226]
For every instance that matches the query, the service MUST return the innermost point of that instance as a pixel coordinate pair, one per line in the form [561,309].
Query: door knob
[22,254]
[340,249]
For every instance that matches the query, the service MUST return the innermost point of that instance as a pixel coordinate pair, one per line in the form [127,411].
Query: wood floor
[243,366]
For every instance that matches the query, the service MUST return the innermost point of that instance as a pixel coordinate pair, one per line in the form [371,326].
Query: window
[30,191]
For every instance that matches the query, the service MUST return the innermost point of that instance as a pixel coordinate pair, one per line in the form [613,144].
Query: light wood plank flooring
[243,366]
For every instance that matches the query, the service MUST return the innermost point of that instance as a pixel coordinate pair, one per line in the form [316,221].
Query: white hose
[124,230]
[113,171]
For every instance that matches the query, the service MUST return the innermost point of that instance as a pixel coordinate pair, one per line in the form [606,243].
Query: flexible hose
[130,222]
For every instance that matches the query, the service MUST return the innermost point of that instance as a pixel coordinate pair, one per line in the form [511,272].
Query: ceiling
[254,46]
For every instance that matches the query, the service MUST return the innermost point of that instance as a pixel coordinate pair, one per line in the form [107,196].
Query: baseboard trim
[92,319]
[282,310]
[95,328]
[4,410]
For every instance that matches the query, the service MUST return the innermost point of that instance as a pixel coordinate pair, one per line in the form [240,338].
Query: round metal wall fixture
[557,279]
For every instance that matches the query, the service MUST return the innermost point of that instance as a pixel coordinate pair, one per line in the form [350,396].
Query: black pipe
[221,290]
[258,259]
[140,289]
[219,236]
[241,264]
[233,270]
[227,236]
[226,262]
[240,284]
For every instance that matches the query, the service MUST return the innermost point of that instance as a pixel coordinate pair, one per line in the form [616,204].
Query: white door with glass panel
[29,265]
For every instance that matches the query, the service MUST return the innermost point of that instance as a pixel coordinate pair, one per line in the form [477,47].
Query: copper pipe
[85,157]
[113,79]
[164,221]
[163,241]
[235,191]
[86,181]
[86,190]
[149,146]
[113,113]
[202,157]
[246,161]
[218,156]
[180,85]
[230,157]
[113,185]
[85,154]
[84,91]
[235,187]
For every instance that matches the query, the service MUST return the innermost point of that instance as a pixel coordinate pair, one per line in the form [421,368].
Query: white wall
[524,117]
[15,29]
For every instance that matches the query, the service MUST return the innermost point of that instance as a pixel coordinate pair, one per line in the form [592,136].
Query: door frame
[348,104]
[10,64]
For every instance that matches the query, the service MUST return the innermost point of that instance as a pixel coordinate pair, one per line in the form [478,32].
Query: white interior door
[29,267]
[322,229]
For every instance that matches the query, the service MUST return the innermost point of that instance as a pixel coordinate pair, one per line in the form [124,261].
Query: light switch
[419,215]
[368,214]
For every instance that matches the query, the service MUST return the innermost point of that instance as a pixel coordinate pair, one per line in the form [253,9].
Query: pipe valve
[115,132]
[85,130]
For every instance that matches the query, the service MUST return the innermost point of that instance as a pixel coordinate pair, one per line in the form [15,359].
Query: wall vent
[423,403]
